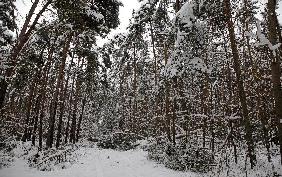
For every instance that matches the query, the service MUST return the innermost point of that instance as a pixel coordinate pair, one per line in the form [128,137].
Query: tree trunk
[273,33]
[26,135]
[241,90]
[42,96]
[37,109]
[80,118]
[40,132]
[3,90]
[70,98]
[73,122]
[59,87]
[62,107]
[167,104]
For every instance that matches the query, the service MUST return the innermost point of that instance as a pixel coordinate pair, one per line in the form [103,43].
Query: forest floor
[99,163]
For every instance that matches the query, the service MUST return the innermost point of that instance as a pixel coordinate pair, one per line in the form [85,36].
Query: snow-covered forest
[192,88]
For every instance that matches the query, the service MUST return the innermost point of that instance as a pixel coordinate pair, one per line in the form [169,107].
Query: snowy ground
[100,163]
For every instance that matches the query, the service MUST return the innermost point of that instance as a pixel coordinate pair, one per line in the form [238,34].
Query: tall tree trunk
[80,118]
[241,90]
[40,131]
[28,18]
[70,98]
[167,102]
[59,87]
[37,109]
[62,107]
[273,35]
[3,90]
[75,105]
[173,122]
[177,5]
[154,52]
[42,96]
[134,112]
[26,135]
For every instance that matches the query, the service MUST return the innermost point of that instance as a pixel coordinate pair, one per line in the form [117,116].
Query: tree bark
[241,90]
[3,90]
[80,118]
[62,107]
[273,33]
[73,123]
[70,98]
[26,135]
[167,102]
[59,87]
[37,109]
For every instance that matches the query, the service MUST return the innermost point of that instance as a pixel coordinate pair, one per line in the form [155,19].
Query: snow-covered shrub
[118,140]
[180,156]
[10,149]
[24,150]
[226,165]
[7,144]
[156,149]
[45,160]
[105,142]
[5,160]
[188,158]
[53,159]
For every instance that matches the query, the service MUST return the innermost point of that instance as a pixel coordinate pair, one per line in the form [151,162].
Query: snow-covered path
[100,163]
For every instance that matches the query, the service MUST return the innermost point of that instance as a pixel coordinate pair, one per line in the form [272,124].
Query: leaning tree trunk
[23,38]
[241,90]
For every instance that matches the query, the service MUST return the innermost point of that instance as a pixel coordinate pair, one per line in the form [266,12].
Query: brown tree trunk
[134,112]
[26,135]
[173,122]
[177,5]
[40,131]
[241,90]
[62,107]
[273,33]
[167,103]
[25,34]
[70,98]
[44,80]
[37,109]
[59,87]
[3,90]
[74,112]
[80,118]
